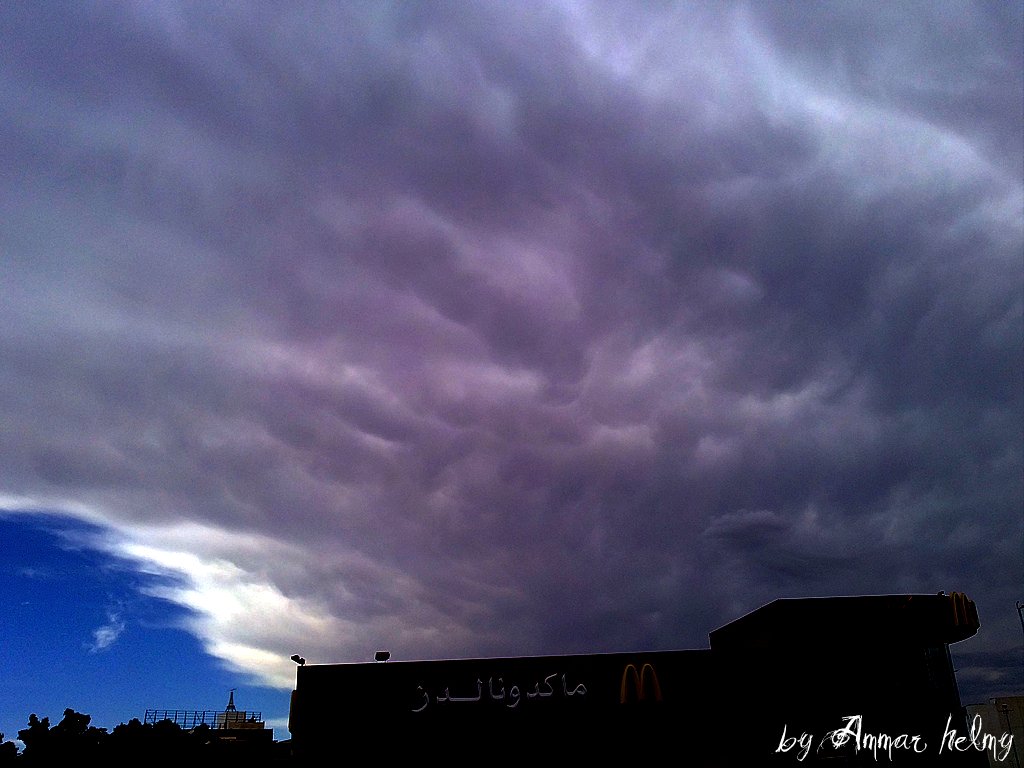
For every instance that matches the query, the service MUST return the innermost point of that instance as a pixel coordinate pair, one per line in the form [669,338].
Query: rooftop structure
[222,719]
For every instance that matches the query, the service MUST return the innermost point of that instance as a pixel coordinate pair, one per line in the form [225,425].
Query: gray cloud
[483,329]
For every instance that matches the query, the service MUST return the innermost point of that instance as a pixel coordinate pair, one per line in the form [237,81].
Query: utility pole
[1020,615]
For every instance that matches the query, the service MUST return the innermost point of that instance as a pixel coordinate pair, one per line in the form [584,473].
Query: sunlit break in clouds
[514,328]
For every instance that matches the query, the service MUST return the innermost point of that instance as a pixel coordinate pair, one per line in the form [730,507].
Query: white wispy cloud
[105,636]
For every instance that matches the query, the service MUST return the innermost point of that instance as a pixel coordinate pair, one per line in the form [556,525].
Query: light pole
[1020,615]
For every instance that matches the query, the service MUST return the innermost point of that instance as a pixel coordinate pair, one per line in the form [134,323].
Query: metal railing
[192,718]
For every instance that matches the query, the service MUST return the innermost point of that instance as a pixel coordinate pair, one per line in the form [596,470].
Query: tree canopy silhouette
[8,752]
[73,741]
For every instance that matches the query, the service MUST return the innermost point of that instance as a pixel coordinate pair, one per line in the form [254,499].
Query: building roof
[865,621]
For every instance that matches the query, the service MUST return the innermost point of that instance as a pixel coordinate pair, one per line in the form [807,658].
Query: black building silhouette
[832,681]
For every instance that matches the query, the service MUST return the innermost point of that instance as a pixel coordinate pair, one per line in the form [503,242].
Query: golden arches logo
[646,676]
[965,612]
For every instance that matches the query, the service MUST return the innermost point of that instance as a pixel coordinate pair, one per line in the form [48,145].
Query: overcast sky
[513,328]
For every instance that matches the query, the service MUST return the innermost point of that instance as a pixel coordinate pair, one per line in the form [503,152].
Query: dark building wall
[792,667]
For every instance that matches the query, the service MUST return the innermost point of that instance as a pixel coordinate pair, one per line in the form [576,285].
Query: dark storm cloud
[946,63]
[498,329]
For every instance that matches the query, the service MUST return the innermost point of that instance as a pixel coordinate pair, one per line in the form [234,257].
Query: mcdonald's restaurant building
[875,668]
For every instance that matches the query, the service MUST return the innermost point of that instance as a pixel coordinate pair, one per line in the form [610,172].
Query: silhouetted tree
[74,742]
[75,736]
[129,743]
[36,739]
[70,740]
[8,752]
